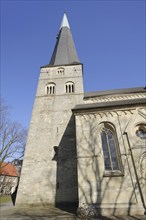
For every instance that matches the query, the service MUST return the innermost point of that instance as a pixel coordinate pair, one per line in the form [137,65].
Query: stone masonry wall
[50,177]
[111,194]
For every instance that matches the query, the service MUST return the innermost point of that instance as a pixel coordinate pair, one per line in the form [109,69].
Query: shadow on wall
[97,184]
[66,179]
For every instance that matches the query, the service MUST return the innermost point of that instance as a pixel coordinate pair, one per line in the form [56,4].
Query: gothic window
[110,148]
[141,131]
[69,87]
[50,89]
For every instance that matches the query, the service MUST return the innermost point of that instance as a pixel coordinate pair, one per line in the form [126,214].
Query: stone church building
[84,148]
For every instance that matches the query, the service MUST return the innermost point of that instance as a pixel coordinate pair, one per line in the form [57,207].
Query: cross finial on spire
[64,22]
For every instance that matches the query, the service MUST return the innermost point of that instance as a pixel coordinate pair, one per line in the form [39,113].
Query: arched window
[110,148]
[69,87]
[60,71]
[50,89]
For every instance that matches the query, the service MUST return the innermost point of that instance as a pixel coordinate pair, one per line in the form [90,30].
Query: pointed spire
[64,51]
[64,22]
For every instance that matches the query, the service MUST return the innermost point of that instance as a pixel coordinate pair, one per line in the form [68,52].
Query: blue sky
[109,38]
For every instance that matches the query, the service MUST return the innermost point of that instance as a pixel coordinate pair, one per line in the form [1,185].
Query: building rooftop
[8,169]
[114,92]
[114,103]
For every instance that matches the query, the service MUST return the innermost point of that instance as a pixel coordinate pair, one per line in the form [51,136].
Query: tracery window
[69,87]
[50,89]
[110,148]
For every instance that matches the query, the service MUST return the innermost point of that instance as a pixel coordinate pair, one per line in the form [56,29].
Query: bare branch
[12,136]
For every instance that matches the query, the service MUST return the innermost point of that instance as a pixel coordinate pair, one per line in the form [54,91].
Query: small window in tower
[50,89]
[69,87]
[60,71]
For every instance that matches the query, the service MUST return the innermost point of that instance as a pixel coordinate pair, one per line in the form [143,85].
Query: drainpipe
[136,175]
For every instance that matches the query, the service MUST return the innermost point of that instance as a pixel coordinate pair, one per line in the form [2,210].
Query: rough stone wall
[137,147]
[111,194]
[49,176]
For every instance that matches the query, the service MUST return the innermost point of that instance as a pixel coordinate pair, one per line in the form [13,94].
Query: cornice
[114,98]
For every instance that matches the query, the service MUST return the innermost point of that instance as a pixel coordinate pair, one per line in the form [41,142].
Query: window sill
[112,173]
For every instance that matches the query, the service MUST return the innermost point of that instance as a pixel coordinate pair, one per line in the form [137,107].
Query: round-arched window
[50,89]
[69,87]
[60,71]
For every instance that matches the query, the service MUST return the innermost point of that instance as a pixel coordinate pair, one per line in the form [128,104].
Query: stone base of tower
[36,190]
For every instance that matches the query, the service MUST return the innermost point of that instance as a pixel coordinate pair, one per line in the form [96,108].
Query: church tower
[49,172]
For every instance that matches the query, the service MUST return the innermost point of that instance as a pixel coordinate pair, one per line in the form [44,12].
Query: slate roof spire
[64,51]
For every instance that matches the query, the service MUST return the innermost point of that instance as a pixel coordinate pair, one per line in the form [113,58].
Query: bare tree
[12,135]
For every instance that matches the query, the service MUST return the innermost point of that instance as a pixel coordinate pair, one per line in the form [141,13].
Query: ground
[8,211]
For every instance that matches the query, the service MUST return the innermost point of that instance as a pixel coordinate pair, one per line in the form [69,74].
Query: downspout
[136,175]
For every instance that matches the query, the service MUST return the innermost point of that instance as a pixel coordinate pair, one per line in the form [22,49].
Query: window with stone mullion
[106,152]
[109,150]
[113,151]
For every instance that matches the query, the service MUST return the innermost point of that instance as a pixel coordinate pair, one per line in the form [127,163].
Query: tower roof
[64,22]
[64,51]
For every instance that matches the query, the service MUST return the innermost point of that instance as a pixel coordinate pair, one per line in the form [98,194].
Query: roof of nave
[113,98]
[102,105]
[114,92]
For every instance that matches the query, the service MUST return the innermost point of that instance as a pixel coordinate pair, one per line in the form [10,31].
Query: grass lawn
[5,198]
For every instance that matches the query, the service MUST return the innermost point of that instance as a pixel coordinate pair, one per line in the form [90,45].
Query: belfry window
[69,87]
[50,89]
[60,71]
[110,148]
